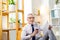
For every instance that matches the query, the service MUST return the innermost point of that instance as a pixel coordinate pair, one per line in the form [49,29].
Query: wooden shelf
[10,29]
[15,11]
[12,11]
[56,8]
[55,17]
[4,13]
[20,11]
[4,3]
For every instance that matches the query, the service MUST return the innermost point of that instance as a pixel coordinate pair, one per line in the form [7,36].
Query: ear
[50,27]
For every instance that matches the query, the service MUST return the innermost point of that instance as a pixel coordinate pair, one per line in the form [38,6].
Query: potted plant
[18,22]
[12,23]
[57,4]
[57,9]
[57,1]
[11,5]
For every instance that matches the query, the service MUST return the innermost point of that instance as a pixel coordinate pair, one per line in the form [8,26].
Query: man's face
[30,19]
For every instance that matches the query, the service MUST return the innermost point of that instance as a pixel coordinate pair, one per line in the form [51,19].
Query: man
[32,30]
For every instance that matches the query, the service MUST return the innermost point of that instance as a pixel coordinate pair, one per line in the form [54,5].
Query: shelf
[56,26]
[4,3]
[6,30]
[20,11]
[55,18]
[10,29]
[56,8]
[4,13]
[12,11]
[15,11]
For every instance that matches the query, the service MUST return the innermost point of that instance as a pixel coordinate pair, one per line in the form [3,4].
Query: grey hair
[30,14]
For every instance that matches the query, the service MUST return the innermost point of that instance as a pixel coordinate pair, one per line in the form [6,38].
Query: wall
[44,10]
[51,3]
[27,8]
[43,5]
[35,5]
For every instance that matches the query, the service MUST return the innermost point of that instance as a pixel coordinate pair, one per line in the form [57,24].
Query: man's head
[30,18]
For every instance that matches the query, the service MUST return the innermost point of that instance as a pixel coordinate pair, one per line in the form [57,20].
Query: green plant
[12,20]
[11,2]
[57,1]
[19,21]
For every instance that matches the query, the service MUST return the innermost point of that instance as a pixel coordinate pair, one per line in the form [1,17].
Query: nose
[32,19]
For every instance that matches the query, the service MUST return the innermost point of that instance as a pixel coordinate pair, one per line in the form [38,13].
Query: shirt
[27,31]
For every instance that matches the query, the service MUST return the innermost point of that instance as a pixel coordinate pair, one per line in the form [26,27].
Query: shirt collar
[30,24]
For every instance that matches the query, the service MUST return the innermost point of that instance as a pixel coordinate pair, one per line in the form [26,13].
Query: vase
[11,7]
[12,25]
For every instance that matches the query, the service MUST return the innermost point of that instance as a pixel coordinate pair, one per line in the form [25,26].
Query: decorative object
[57,1]
[57,9]
[57,4]
[57,12]
[38,12]
[11,5]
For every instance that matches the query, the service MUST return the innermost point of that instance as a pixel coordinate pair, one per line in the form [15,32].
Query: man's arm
[38,36]
[24,35]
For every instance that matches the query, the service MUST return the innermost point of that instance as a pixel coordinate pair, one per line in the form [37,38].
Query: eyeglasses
[31,17]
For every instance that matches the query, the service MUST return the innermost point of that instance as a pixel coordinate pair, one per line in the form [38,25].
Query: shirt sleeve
[24,35]
[40,28]
[38,36]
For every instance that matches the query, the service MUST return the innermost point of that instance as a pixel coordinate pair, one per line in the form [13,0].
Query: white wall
[51,3]
[35,5]
[44,10]
[43,5]
[27,8]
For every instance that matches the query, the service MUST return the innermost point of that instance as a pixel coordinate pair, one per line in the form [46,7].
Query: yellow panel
[19,34]
[0,27]
[16,20]
[0,19]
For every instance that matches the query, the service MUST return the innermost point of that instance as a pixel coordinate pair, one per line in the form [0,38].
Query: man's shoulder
[36,24]
[25,27]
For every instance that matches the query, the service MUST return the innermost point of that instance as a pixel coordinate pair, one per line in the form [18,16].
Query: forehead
[30,15]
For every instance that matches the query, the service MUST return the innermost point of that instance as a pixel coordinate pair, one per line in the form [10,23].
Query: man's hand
[50,27]
[41,33]
[34,33]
